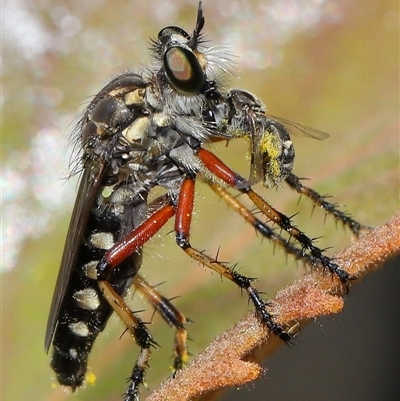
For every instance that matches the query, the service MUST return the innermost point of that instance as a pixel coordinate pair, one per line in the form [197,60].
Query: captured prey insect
[146,131]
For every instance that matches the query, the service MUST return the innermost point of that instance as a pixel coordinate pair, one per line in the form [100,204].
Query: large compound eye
[183,70]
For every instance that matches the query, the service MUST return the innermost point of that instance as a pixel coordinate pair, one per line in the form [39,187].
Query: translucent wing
[301,129]
[88,189]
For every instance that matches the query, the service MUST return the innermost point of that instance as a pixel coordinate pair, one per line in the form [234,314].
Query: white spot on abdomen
[87,299]
[89,269]
[102,240]
[79,329]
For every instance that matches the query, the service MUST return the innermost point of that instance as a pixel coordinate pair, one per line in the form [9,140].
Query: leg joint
[182,240]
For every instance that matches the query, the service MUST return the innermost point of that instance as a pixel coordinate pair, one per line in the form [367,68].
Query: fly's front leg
[171,315]
[182,228]
[307,243]
[222,171]
[260,226]
[294,183]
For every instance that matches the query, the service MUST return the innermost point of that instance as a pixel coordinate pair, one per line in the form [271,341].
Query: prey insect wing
[87,192]
[301,129]
[255,134]
[256,161]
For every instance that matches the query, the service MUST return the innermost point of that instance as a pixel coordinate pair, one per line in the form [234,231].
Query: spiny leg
[133,241]
[163,306]
[182,228]
[223,172]
[170,314]
[139,333]
[307,243]
[260,226]
[294,182]
[110,261]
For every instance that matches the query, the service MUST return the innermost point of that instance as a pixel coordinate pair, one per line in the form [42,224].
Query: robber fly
[146,131]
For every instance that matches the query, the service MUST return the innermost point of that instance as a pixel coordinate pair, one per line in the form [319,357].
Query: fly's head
[182,64]
[183,85]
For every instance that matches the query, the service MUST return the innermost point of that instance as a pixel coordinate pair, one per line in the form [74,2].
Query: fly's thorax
[148,142]
[115,108]
[137,132]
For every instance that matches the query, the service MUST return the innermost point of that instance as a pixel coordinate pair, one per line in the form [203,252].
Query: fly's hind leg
[110,261]
[171,315]
[139,333]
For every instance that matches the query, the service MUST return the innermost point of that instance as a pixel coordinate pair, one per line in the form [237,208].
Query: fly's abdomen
[84,312]
[83,315]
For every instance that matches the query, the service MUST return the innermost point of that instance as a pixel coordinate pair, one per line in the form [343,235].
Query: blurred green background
[332,65]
